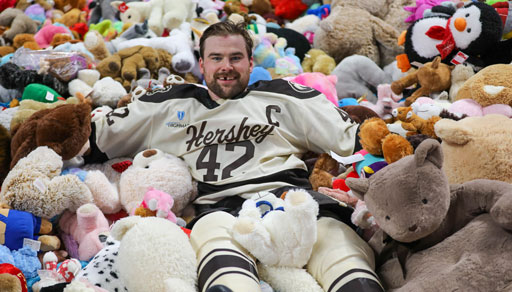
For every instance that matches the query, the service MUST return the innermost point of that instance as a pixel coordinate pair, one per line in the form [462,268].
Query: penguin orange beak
[460,24]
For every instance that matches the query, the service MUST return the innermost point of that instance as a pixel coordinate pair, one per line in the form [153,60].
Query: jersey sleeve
[327,127]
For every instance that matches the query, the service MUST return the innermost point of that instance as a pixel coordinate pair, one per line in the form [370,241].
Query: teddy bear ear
[358,186]
[123,226]
[453,132]
[116,4]
[429,150]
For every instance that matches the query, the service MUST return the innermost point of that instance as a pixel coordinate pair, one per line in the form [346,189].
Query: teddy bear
[72,17]
[280,233]
[65,138]
[12,279]
[431,212]
[178,44]
[488,86]
[18,22]
[415,124]
[123,65]
[160,14]
[460,74]
[306,25]
[66,5]
[25,40]
[85,227]
[35,185]
[432,77]
[260,7]
[288,9]
[162,171]
[476,147]
[318,61]
[19,225]
[24,4]
[159,247]
[358,21]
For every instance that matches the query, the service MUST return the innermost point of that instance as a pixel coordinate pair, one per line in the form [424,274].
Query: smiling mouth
[226,78]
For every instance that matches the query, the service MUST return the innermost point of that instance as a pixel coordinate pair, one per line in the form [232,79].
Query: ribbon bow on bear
[442,33]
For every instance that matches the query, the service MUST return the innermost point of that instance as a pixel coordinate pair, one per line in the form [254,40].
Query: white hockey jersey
[250,143]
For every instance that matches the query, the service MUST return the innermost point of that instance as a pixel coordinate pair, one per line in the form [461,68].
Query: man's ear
[201,68]
[251,64]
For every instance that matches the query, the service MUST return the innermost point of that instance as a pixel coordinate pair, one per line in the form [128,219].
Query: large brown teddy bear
[489,86]
[18,22]
[476,147]
[65,129]
[124,65]
[436,236]
[356,27]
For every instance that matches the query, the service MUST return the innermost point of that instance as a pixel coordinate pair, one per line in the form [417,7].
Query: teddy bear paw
[244,226]
[296,197]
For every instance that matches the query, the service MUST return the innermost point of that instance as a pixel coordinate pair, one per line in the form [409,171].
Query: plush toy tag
[347,160]
[49,96]
[33,244]
[67,8]
[39,184]
[459,58]
[122,7]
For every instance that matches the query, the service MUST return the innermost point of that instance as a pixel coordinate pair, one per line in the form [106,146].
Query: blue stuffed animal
[24,259]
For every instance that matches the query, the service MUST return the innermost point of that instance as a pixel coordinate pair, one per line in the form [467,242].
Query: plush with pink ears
[160,202]
[319,81]
[85,227]
[386,101]
[45,35]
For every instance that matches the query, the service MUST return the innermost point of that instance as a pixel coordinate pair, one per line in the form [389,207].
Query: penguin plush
[472,29]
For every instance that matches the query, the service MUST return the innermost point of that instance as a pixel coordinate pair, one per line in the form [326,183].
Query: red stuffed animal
[288,9]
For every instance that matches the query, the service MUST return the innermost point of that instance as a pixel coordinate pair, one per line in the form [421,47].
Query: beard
[227,92]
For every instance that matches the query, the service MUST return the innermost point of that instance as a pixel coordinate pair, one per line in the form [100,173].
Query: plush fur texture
[386,101]
[358,21]
[85,226]
[375,138]
[103,270]
[13,77]
[432,77]
[36,186]
[278,238]
[489,86]
[5,152]
[162,171]
[460,74]
[324,170]
[18,22]
[476,147]
[165,260]
[431,210]
[359,76]
[65,129]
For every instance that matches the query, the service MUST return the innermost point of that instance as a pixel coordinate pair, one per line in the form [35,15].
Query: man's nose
[226,65]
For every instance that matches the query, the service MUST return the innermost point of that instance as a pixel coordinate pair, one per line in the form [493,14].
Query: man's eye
[236,58]
[216,58]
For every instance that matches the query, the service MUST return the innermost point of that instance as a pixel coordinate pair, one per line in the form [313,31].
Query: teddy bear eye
[467,14]
[387,218]
[469,30]
[424,201]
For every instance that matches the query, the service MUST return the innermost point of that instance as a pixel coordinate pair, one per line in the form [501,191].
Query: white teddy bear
[154,255]
[165,172]
[280,234]
[36,186]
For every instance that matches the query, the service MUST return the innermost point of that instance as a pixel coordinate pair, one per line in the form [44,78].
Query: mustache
[231,74]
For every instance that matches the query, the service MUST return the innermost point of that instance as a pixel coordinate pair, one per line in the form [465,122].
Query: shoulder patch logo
[300,88]
[181,115]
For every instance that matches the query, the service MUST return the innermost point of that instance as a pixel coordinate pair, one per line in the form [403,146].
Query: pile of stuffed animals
[430,191]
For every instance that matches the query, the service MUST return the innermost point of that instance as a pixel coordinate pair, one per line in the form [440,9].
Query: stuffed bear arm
[487,196]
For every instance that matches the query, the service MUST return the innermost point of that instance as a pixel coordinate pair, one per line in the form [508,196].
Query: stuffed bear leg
[221,259]
[341,260]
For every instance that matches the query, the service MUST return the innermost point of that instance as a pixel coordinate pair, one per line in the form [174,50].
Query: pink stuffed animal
[45,35]
[320,82]
[160,202]
[474,109]
[386,101]
[85,227]
[418,10]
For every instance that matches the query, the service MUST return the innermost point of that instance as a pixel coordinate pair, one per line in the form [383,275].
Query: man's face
[226,67]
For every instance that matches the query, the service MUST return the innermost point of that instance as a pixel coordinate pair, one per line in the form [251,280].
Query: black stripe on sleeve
[282,86]
[357,144]
[295,177]
[344,275]
[96,156]
[225,261]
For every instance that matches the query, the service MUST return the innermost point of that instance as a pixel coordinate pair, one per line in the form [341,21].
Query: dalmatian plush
[102,270]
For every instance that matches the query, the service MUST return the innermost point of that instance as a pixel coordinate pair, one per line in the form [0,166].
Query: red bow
[442,33]
[122,7]
[121,166]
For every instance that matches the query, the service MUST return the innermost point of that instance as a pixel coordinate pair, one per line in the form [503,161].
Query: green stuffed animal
[419,212]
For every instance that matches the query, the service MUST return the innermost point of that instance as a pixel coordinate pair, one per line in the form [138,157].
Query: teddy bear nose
[413,228]
[460,24]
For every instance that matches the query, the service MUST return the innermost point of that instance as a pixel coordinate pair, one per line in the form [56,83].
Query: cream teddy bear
[280,234]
